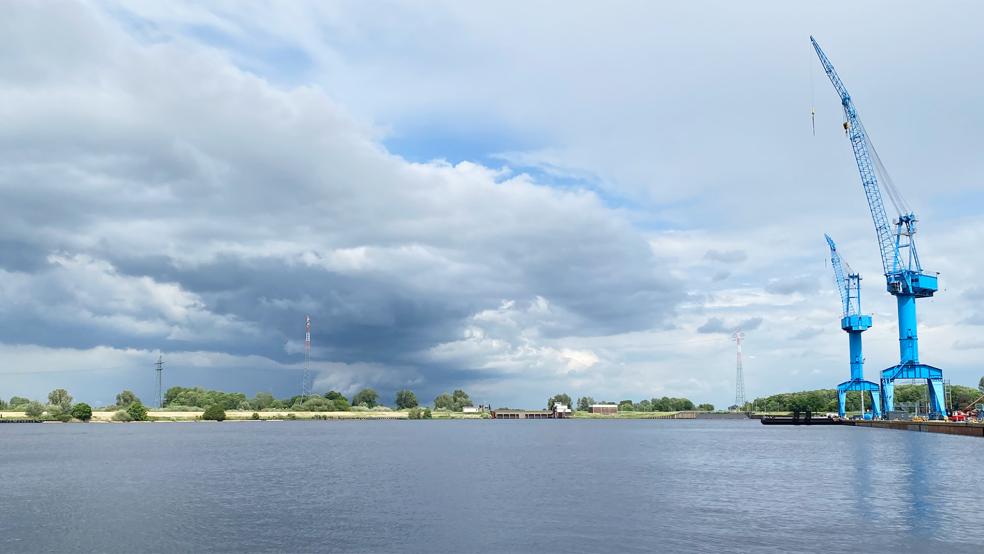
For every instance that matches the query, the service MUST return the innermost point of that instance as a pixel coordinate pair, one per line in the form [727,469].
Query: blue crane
[904,275]
[854,323]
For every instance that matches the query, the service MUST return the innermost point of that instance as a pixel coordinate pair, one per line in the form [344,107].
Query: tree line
[332,401]
[825,400]
[129,408]
[664,404]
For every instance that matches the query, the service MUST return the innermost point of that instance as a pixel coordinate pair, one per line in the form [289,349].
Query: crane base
[913,370]
[863,386]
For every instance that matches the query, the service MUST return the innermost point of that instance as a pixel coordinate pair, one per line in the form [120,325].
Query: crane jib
[902,276]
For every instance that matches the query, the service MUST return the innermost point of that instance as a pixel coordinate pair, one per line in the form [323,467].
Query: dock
[945,427]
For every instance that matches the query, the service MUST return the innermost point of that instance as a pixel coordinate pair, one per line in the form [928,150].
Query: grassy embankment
[623,415]
[246,415]
[277,415]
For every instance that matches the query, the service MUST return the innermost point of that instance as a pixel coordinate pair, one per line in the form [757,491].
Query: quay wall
[946,427]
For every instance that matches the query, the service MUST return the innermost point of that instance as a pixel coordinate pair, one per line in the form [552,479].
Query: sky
[517,199]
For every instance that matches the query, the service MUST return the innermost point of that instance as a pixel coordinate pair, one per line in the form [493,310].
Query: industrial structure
[739,374]
[306,384]
[159,369]
[854,323]
[904,275]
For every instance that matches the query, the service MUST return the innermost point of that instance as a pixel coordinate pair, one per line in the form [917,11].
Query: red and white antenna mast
[306,384]
[739,374]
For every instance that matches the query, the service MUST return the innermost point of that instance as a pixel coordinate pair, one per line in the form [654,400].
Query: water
[491,486]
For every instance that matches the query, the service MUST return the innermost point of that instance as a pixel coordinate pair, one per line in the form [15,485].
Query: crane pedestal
[914,370]
[863,386]
[922,286]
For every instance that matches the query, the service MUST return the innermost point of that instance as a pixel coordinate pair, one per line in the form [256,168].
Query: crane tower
[904,275]
[854,323]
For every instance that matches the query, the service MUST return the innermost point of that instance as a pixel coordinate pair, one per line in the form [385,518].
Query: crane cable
[894,195]
[813,100]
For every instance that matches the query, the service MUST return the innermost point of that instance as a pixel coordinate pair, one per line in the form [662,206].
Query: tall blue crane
[904,275]
[854,323]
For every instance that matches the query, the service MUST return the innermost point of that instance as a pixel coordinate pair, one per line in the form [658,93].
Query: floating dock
[966,429]
[945,427]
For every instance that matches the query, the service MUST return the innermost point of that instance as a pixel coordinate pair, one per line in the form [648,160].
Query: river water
[487,486]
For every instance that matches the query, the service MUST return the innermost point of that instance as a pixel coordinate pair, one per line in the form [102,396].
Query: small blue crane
[855,323]
[903,273]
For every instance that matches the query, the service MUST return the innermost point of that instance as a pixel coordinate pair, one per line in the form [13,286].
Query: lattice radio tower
[306,384]
[159,368]
[739,374]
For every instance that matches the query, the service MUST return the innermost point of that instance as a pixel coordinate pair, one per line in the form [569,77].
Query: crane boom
[891,261]
[839,277]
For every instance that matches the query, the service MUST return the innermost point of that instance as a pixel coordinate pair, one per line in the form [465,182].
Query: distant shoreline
[285,415]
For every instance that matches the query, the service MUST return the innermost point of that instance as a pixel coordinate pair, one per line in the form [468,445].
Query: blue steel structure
[854,323]
[903,273]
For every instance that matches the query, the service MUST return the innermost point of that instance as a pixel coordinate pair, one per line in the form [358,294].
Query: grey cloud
[801,284]
[968,344]
[974,294]
[807,333]
[726,256]
[718,325]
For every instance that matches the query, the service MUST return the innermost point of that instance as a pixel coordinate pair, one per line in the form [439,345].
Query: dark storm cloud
[177,203]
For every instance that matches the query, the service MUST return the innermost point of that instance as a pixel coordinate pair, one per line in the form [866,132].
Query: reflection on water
[507,486]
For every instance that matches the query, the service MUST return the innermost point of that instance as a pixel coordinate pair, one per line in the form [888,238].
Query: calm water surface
[487,486]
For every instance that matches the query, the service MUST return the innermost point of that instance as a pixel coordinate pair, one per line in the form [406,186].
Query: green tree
[341,404]
[33,409]
[3,404]
[137,411]
[125,398]
[60,398]
[122,415]
[201,398]
[17,403]
[706,407]
[56,413]
[262,401]
[626,406]
[444,401]
[214,413]
[405,399]
[314,404]
[644,405]
[980,385]
[171,394]
[559,399]
[461,399]
[82,411]
[366,397]
[584,403]
[454,401]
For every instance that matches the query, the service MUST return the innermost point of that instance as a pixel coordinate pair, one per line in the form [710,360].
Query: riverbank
[246,415]
[285,415]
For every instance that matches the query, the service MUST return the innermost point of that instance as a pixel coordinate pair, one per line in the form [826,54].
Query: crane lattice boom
[869,176]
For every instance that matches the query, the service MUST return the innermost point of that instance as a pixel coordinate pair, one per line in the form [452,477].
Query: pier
[945,427]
